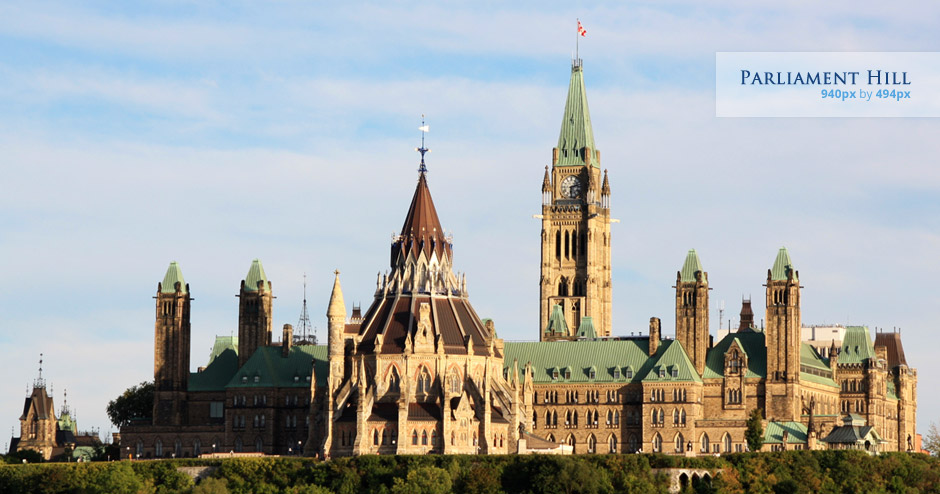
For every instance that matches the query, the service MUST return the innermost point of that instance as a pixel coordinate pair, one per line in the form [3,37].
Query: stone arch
[726,442]
[679,441]
[703,443]
[591,444]
[612,443]
[657,443]
[571,441]
[423,379]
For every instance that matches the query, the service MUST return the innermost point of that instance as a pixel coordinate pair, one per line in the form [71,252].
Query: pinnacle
[691,266]
[173,275]
[576,131]
[782,266]
[255,274]
[337,306]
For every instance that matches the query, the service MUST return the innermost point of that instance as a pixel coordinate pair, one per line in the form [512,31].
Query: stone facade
[421,372]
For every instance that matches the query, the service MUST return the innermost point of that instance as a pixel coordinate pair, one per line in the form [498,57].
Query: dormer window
[555,374]
[592,373]
[675,372]
[567,373]
[257,378]
[244,379]
[628,373]
[662,372]
[616,373]
[308,378]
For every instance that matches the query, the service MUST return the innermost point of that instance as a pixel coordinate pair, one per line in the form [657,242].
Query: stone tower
[171,348]
[575,268]
[783,339]
[254,312]
[692,310]
[336,323]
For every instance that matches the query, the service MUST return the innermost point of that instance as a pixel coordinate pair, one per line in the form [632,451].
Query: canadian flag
[581,30]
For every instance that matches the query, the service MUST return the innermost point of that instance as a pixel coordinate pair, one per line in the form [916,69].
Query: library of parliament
[419,371]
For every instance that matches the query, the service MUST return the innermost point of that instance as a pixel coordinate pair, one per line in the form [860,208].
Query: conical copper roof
[422,230]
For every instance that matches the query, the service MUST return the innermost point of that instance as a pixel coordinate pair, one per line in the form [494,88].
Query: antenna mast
[304,322]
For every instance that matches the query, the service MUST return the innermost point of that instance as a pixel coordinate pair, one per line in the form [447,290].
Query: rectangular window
[216,409]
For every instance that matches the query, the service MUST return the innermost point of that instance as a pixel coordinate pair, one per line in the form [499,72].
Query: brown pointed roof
[422,230]
[892,341]
[747,315]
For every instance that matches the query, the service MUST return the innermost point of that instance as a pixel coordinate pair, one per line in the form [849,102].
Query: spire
[422,230]
[173,275]
[782,266]
[546,182]
[605,188]
[40,382]
[337,306]
[255,274]
[576,131]
[691,267]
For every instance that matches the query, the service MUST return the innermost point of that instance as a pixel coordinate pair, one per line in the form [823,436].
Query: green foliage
[828,472]
[25,454]
[754,435]
[932,440]
[424,480]
[135,403]
[211,485]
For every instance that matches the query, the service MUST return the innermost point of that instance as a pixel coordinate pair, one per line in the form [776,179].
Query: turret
[336,326]
[605,192]
[546,189]
[254,312]
[782,335]
[171,348]
[692,310]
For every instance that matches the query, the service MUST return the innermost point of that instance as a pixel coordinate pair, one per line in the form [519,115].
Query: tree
[932,440]
[755,430]
[424,480]
[136,402]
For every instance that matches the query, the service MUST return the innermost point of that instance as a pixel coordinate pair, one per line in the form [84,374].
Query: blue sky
[132,135]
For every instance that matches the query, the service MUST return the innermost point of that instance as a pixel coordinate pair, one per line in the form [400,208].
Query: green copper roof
[255,274]
[556,322]
[856,346]
[218,373]
[773,432]
[782,265]
[586,330]
[691,266]
[67,423]
[576,131]
[750,342]
[173,274]
[611,358]
[267,368]
[672,364]
[223,343]
[818,370]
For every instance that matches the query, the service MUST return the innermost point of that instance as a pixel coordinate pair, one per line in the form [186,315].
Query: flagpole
[577,41]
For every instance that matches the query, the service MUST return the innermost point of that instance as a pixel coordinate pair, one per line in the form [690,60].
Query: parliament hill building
[420,371]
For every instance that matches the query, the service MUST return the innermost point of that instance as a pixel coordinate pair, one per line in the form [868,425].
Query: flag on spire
[581,30]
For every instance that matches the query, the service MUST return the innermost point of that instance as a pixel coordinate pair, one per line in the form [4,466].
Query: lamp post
[299,449]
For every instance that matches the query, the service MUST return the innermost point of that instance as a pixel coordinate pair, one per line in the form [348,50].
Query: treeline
[789,472]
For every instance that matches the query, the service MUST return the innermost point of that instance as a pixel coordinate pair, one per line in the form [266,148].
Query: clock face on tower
[571,187]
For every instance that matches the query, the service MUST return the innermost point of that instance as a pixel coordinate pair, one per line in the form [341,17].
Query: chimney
[287,339]
[654,335]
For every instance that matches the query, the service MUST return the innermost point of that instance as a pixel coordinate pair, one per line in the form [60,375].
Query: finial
[336,272]
[424,130]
